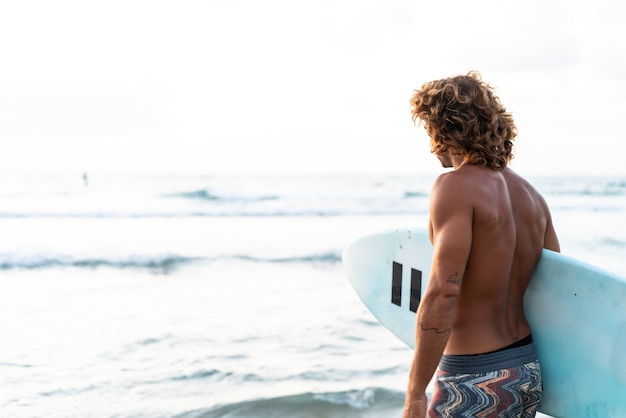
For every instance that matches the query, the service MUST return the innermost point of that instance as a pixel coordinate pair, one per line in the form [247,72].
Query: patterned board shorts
[502,384]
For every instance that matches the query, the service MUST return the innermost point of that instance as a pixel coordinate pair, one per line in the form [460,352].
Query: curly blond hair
[462,115]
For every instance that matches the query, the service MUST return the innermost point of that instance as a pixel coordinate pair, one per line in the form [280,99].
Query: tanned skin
[488,228]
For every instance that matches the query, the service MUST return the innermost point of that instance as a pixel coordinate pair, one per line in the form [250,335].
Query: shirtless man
[488,227]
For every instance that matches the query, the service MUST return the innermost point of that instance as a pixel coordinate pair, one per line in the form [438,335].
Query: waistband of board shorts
[483,363]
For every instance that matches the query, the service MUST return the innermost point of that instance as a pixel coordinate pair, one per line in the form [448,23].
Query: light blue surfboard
[577,313]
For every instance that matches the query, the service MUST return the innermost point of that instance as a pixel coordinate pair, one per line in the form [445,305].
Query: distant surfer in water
[488,227]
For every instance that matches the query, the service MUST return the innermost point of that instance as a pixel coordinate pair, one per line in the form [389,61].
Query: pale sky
[300,86]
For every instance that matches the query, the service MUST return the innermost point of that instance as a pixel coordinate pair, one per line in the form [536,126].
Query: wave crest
[352,403]
[157,263]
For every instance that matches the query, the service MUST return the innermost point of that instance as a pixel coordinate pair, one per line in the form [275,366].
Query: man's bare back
[510,225]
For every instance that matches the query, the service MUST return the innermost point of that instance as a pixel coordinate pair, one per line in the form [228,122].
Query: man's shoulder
[466,177]
[447,180]
[456,185]
[515,181]
[453,196]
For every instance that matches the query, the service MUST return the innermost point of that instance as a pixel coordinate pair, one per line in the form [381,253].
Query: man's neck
[458,160]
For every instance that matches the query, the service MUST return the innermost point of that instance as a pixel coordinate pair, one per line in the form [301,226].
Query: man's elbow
[446,296]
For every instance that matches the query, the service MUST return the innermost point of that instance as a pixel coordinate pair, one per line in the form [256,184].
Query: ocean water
[211,296]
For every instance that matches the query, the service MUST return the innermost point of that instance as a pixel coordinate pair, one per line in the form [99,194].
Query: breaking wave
[156,263]
[348,404]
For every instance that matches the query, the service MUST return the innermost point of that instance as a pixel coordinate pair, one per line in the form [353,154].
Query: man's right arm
[550,240]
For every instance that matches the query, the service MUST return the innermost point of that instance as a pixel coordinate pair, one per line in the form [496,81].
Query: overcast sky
[292,86]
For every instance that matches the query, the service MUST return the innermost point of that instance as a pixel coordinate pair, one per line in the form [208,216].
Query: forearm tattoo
[435,329]
[454,279]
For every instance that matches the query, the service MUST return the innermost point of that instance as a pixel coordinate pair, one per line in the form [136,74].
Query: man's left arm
[451,219]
